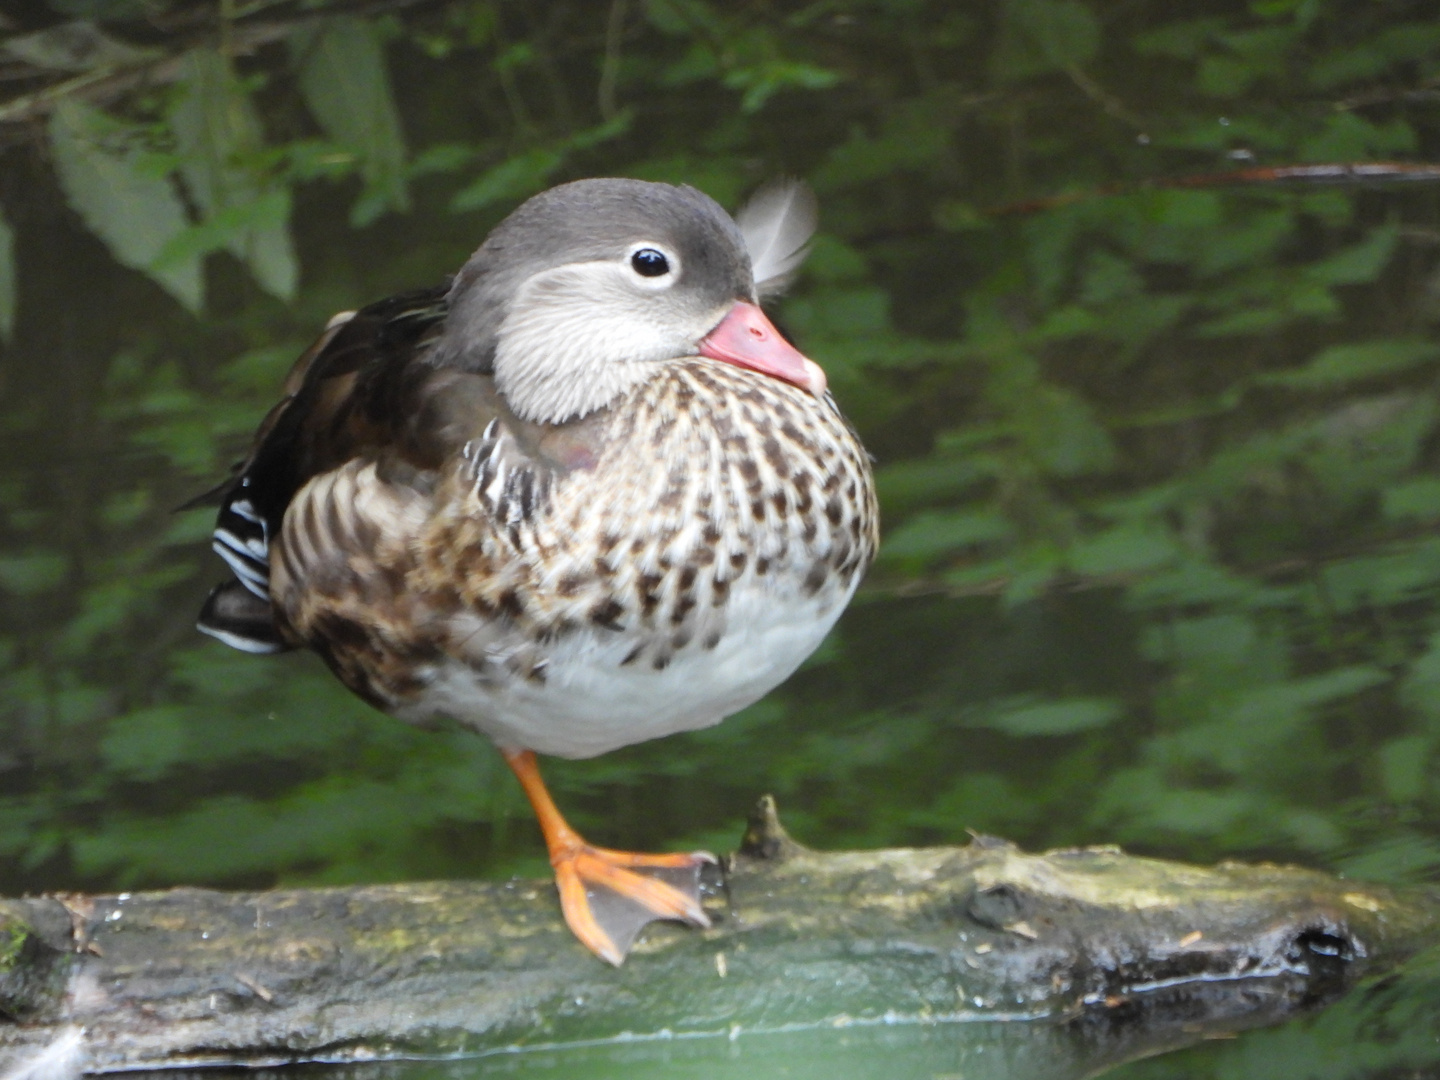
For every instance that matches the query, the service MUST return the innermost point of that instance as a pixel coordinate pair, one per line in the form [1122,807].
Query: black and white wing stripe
[238,612]
[242,539]
[512,487]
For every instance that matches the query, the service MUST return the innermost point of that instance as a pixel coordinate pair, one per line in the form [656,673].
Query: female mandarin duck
[585,495]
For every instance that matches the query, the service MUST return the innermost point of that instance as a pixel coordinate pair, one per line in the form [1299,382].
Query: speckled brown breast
[638,530]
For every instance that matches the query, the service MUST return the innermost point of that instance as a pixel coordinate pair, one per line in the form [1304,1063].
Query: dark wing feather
[235,615]
[345,395]
[368,391]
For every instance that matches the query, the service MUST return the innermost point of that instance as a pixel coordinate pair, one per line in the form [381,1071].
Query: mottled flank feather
[524,597]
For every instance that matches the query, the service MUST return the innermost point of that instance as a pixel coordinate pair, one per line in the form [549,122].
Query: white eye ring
[652,266]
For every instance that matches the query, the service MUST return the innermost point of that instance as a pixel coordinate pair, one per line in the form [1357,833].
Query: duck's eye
[647,262]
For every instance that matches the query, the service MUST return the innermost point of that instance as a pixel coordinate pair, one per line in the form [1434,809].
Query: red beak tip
[817,381]
[746,338]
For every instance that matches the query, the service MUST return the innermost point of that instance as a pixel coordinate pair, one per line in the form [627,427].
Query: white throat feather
[577,337]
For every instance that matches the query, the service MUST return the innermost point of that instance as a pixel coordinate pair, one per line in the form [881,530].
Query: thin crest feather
[777,224]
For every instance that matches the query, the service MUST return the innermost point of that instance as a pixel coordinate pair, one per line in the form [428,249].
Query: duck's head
[576,296]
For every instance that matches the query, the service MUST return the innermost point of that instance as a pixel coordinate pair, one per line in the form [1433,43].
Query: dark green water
[1160,465]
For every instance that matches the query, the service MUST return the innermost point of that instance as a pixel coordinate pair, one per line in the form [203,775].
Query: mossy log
[1121,953]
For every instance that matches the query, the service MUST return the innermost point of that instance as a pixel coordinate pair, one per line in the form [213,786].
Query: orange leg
[605,900]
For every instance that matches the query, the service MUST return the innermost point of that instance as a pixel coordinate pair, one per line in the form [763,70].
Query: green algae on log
[1159,951]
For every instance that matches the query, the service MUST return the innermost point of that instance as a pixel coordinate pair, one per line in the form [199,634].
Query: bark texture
[1115,954]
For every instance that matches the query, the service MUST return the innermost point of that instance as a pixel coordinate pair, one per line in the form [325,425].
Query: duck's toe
[608,897]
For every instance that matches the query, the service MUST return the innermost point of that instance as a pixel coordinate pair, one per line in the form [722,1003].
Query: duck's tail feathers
[234,614]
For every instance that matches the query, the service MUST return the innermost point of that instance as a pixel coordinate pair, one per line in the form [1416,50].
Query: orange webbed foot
[608,897]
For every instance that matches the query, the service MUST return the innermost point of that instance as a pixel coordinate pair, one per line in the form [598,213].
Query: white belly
[589,702]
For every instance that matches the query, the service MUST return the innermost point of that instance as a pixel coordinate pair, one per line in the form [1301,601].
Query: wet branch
[1113,955]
